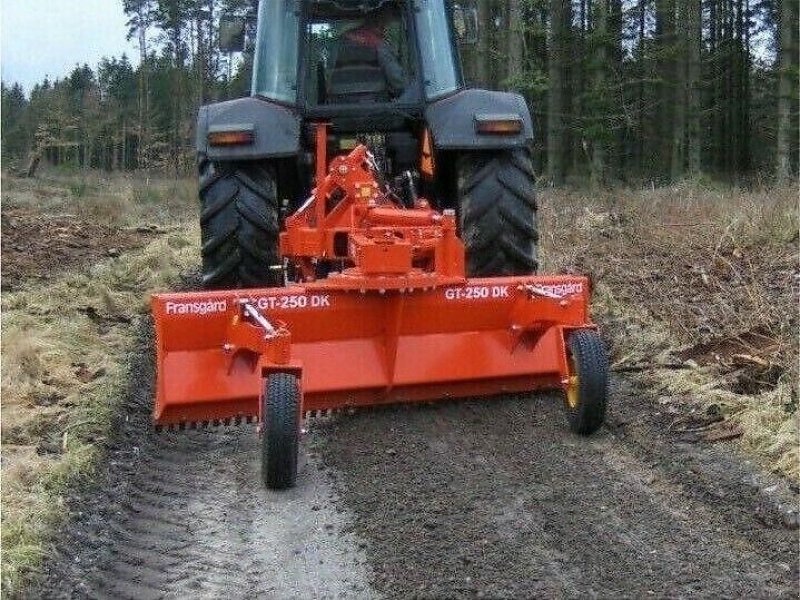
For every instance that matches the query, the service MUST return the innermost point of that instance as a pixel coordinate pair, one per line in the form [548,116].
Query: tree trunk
[515,44]
[694,40]
[616,123]
[681,93]
[665,34]
[600,21]
[485,26]
[143,93]
[578,83]
[555,96]
[788,25]
[642,14]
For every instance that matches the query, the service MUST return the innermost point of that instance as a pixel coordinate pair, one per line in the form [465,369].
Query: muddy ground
[38,247]
[491,499]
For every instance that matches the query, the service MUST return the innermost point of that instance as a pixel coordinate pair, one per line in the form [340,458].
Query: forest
[622,91]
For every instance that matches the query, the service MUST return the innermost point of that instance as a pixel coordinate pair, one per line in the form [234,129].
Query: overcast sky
[49,37]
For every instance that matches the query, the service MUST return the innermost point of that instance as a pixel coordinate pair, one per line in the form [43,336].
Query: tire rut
[184,514]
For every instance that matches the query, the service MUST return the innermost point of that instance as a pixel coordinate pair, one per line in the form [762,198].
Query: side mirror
[465,23]
[232,33]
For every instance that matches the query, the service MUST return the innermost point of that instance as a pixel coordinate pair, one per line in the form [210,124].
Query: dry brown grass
[64,356]
[701,278]
[122,200]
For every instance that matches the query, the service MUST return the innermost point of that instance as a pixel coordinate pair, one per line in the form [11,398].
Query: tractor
[368,237]
[382,72]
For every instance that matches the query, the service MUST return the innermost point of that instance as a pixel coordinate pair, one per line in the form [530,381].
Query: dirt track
[476,499]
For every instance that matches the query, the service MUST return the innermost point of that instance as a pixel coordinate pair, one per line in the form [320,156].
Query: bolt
[227,348]
[342,169]
[449,212]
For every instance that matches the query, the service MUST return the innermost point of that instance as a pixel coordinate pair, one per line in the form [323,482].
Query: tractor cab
[333,57]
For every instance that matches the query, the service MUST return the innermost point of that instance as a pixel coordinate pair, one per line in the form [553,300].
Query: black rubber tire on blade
[239,223]
[590,363]
[497,212]
[280,436]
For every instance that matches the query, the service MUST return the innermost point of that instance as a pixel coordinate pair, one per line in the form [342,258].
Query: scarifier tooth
[238,420]
[159,428]
[205,424]
[182,426]
[192,425]
[227,421]
[216,422]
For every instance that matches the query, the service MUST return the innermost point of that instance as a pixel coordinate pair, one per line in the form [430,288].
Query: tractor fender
[276,129]
[451,120]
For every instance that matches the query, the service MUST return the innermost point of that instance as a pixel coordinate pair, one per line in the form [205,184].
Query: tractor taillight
[498,124]
[233,137]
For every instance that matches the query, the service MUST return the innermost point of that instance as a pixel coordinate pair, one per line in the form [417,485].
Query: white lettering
[563,289]
[500,291]
[293,302]
[201,307]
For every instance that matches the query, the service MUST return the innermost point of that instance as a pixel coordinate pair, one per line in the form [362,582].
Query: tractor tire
[497,204]
[280,434]
[587,397]
[240,224]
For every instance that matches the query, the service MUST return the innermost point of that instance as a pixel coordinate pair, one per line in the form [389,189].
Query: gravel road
[492,499]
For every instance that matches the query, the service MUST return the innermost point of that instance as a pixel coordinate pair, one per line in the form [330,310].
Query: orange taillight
[498,124]
[236,137]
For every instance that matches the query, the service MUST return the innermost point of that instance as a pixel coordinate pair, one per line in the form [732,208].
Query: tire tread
[591,360]
[280,438]
[498,213]
[239,219]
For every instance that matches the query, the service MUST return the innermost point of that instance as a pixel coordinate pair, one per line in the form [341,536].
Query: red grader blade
[400,323]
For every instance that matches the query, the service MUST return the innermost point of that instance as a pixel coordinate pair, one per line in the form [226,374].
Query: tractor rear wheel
[280,433]
[587,392]
[239,222]
[498,212]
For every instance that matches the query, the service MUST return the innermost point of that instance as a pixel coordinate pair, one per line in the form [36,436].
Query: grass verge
[65,347]
[697,289]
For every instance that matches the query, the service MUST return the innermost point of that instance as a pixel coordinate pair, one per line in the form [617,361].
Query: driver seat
[357,77]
